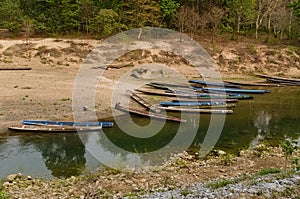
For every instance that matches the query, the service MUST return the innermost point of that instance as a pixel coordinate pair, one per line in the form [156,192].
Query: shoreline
[181,172]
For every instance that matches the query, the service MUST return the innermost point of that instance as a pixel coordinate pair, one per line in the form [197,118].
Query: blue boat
[218,84]
[232,90]
[210,95]
[180,103]
[63,123]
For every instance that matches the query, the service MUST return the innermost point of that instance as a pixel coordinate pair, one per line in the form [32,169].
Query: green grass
[220,183]
[185,192]
[4,195]
[266,171]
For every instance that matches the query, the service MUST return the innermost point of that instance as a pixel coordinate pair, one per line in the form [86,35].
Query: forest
[102,18]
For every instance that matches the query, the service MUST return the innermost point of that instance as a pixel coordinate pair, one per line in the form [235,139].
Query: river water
[268,118]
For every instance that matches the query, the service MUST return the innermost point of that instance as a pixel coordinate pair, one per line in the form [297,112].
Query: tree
[214,17]
[264,10]
[86,13]
[168,9]
[296,8]
[242,12]
[28,25]
[140,13]
[10,15]
[106,23]
[187,20]
[69,15]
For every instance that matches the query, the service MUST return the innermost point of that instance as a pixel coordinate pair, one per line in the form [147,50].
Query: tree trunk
[238,23]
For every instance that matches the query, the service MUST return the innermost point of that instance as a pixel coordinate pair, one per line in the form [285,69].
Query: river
[268,118]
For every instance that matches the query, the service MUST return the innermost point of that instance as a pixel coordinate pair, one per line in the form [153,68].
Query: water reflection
[63,154]
[262,123]
[267,118]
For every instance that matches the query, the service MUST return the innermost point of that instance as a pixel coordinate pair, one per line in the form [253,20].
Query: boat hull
[53,129]
[65,123]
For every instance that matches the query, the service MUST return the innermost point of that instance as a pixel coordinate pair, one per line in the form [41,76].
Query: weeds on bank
[220,183]
[186,191]
[3,194]
[288,147]
[266,171]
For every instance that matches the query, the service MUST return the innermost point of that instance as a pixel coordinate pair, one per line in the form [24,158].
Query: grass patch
[220,183]
[268,171]
[4,195]
[185,192]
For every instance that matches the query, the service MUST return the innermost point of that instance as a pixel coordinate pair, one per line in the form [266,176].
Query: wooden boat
[141,101]
[65,123]
[179,103]
[196,95]
[217,84]
[280,79]
[163,87]
[196,110]
[232,90]
[253,84]
[283,82]
[147,114]
[170,85]
[54,129]
[206,100]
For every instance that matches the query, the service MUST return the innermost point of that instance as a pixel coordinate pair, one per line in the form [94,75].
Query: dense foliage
[101,18]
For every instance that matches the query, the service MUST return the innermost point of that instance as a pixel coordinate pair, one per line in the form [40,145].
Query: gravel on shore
[269,186]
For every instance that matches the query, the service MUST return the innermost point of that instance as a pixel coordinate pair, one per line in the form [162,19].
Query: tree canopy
[103,18]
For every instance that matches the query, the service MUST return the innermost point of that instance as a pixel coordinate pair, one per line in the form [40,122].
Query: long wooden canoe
[147,114]
[232,90]
[206,100]
[283,82]
[179,103]
[141,101]
[170,85]
[283,79]
[216,84]
[65,123]
[196,110]
[53,129]
[195,95]
[254,84]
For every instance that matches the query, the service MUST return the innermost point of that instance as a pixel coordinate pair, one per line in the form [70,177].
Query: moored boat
[196,110]
[148,114]
[66,123]
[217,84]
[280,79]
[254,83]
[195,95]
[232,90]
[54,129]
[206,100]
[179,103]
[141,101]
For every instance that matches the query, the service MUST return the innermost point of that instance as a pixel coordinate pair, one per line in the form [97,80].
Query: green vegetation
[276,19]
[185,191]
[3,194]
[288,147]
[268,171]
[220,183]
